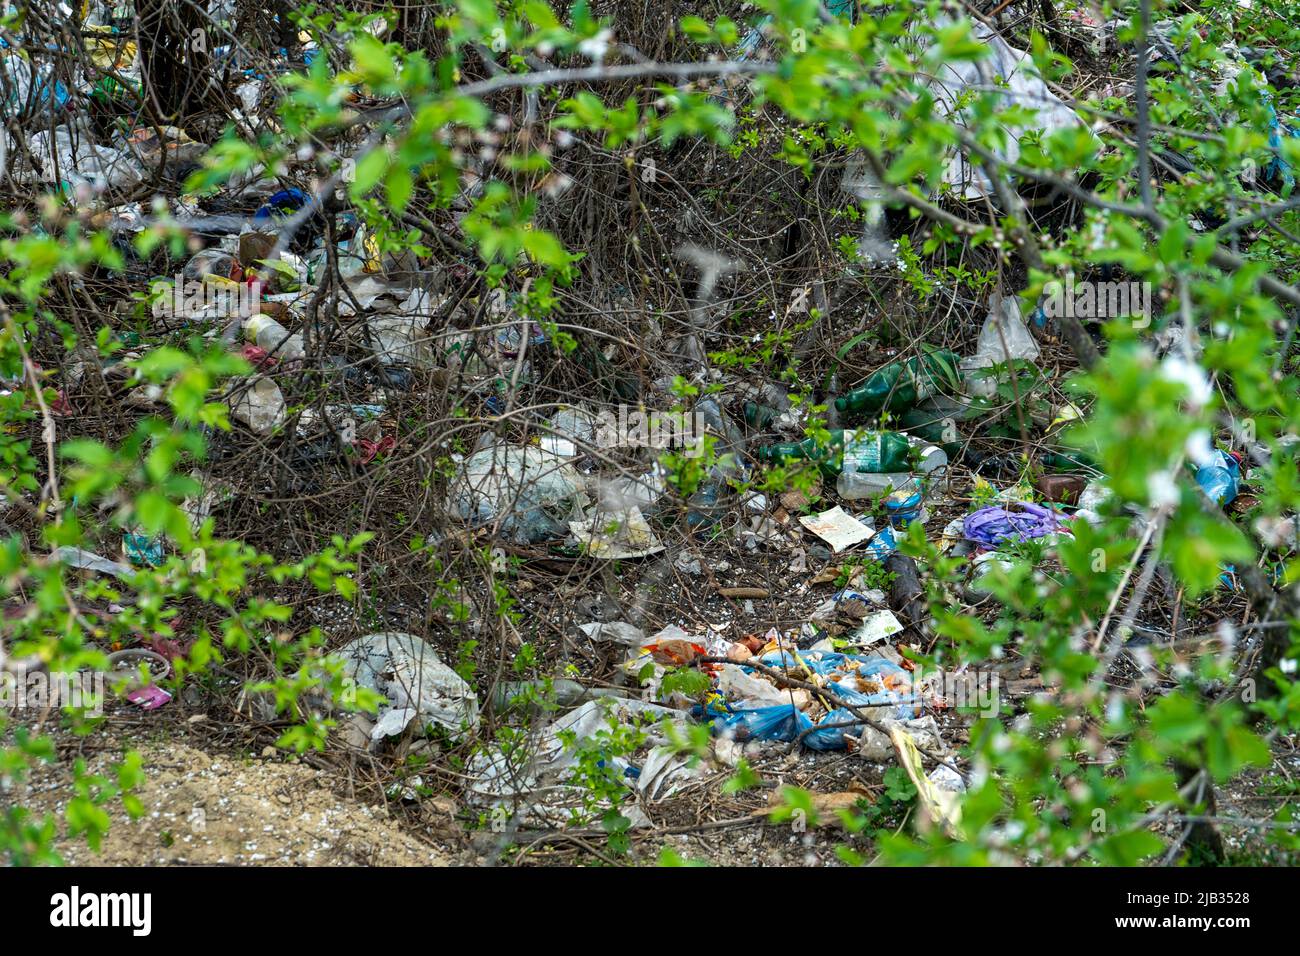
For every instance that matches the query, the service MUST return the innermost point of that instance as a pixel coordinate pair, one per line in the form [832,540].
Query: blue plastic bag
[831,729]
[284,203]
[778,722]
[1221,479]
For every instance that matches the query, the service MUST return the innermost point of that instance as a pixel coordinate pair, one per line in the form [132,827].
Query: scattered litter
[616,536]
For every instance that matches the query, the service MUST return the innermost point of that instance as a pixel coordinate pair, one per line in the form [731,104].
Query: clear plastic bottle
[855,485]
[274,337]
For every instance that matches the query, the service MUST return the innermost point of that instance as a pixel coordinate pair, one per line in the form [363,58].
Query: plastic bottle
[703,505]
[857,485]
[1220,479]
[703,508]
[274,337]
[849,450]
[901,385]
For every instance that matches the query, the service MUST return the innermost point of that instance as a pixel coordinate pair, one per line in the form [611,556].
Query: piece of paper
[838,528]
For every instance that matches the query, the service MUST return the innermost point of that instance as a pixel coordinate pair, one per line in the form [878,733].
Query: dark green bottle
[848,450]
[937,429]
[1068,461]
[759,416]
[901,385]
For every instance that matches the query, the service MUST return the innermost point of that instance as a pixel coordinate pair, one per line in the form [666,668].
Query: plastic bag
[407,671]
[260,406]
[779,722]
[1023,87]
[1002,324]
[994,525]
[533,493]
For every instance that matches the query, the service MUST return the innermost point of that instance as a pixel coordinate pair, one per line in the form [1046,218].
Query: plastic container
[906,504]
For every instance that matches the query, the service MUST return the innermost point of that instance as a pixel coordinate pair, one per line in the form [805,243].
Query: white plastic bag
[1004,336]
[407,671]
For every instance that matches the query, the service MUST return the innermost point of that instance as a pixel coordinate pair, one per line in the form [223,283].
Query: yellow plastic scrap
[110,51]
[1066,414]
[371,248]
[942,807]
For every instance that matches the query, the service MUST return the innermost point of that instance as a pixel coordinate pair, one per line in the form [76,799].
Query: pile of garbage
[361,363]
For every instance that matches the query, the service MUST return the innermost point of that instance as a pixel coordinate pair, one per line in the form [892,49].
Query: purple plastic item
[991,526]
[149,698]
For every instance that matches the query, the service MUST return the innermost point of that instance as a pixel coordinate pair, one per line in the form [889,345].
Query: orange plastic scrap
[674,652]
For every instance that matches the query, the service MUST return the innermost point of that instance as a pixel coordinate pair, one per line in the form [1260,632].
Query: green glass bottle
[1068,461]
[939,429]
[848,450]
[759,416]
[901,385]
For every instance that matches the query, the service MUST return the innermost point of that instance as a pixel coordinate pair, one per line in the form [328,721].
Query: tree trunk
[174,48]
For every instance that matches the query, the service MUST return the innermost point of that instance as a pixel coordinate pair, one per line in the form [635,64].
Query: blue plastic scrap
[881,545]
[1278,165]
[284,203]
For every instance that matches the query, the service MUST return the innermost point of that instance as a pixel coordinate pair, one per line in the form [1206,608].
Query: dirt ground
[223,809]
[210,805]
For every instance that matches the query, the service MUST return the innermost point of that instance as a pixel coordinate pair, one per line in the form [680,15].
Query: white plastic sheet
[1012,74]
